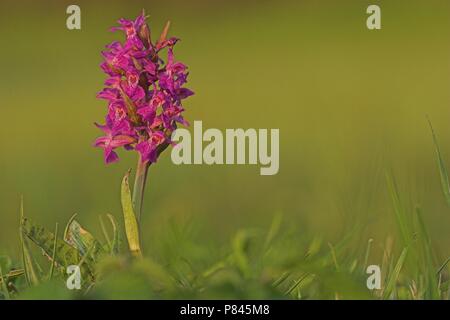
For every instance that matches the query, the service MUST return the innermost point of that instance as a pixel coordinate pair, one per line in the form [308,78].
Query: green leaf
[442,168]
[78,237]
[65,254]
[131,224]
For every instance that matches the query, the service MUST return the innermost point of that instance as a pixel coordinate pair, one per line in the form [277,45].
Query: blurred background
[350,103]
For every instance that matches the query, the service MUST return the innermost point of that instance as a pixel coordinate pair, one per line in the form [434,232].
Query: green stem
[139,187]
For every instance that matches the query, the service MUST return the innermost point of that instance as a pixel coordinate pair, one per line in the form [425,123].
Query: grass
[279,262]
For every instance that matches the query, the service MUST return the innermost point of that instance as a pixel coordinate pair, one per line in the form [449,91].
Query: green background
[350,104]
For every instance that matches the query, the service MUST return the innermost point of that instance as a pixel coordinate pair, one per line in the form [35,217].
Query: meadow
[360,180]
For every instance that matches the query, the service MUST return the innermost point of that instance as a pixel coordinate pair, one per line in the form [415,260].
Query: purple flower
[149,148]
[144,93]
[112,140]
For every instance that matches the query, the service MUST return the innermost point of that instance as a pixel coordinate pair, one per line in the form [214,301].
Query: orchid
[144,95]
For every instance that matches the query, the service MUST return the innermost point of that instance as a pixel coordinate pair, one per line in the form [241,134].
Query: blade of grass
[240,258]
[314,247]
[273,230]
[4,286]
[445,184]
[281,279]
[432,291]
[66,230]
[399,211]
[116,236]
[296,284]
[443,266]
[29,264]
[52,267]
[333,254]
[12,274]
[86,255]
[105,234]
[215,268]
[394,275]
[366,257]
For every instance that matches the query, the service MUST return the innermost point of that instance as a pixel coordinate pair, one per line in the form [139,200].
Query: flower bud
[144,35]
